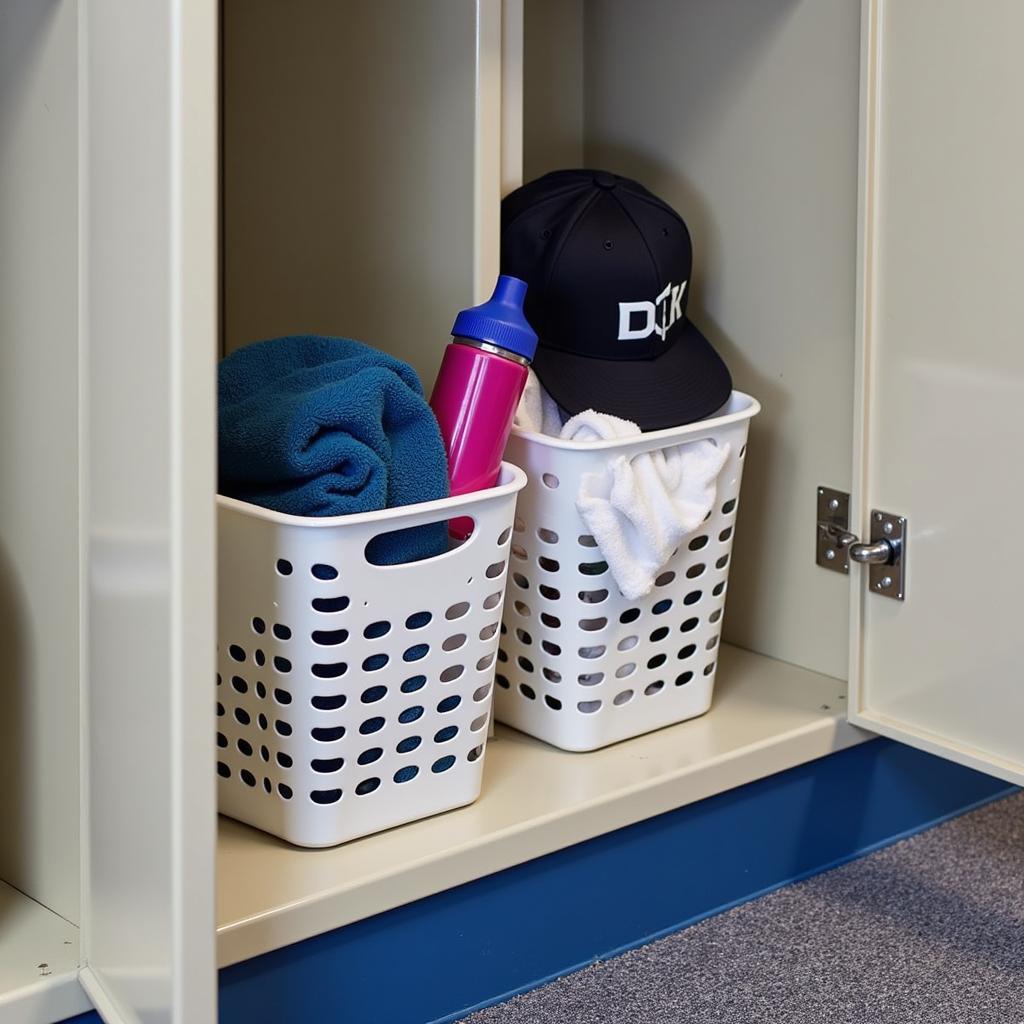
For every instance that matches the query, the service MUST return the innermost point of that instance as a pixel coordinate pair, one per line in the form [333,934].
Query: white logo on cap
[670,298]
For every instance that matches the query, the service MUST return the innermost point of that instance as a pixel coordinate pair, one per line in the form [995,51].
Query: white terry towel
[639,509]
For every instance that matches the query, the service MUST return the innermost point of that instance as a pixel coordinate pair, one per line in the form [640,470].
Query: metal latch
[884,553]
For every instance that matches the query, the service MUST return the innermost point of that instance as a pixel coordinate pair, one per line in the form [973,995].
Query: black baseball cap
[608,266]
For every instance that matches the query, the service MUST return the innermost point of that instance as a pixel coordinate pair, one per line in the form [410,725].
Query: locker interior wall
[39,496]
[348,171]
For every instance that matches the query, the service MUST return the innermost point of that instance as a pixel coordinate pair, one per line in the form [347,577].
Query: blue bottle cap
[500,320]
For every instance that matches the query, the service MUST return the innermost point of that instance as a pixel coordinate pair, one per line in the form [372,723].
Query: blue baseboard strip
[435,960]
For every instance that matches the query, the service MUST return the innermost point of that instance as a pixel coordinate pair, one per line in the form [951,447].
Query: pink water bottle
[479,386]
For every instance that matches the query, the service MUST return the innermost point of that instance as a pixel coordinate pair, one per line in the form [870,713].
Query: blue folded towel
[316,426]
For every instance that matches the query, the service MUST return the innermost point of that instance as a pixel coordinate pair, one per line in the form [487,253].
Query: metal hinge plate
[833,525]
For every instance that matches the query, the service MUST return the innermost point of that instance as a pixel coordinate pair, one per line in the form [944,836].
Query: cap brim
[683,385]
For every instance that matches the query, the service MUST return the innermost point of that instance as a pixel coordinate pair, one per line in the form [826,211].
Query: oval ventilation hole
[488,631]
[657,661]
[519,552]
[329,637]
[371,725]
[236,652]
[719,589]
[527,691]
[656,687]
[625,670]
[325,796]
[502,681]
[239,685]
[456,611]
[222,740]
[711,644]
[374,694]
[715,615]
[492,600]
[627,643]
[416,652]
[478,723]
[687,652]
[261,690]
[282,665]
[451,673]
[593,625]
[659,634]
[552,702]
[593,652]
[588,707]
[548,564]
[258,625]
[285,790]
[282,728]
[494,570]
[697,543]
[504,535]
[327,765]
[550,648]
[262,720]
[481,693]
[220,710]
[722,562]
[411,714]
[689,625]
[629,615]
[242,716]
[593,568]
[330,671]
[329,702]
[454,642]
[523,636]
[525,664]
[375,630]
[546,535]
[265,753]
[484,663]
[223,770]
[522,608]
[284,760]
[586,541]
[247,777]
[725,534]
[442,764]
[550,593]
[682,680]
[520,581]
[409,744]
[550,480]
[406,774]
[328,734]
[660,607]
[592,596]
[518,525]
[375,662]
[259,657]
[330,604]
[244,748]
[695,570]
[323,571]
[370,755]
[282,696]
[551,621]
[502,654]
[282,632]
[708,669]
[665,579]
[475,753]
[418,620]
[551,675]
[589,678]
[367,786]
[284,567]
[413,683]
[729,507]
[623,697]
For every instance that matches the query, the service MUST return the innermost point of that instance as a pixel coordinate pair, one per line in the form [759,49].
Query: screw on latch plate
[884,553]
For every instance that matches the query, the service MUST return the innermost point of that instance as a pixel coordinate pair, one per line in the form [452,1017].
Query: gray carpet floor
[930,929]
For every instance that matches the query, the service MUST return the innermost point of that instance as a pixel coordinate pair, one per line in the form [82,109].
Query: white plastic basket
[580,666]
[353,697]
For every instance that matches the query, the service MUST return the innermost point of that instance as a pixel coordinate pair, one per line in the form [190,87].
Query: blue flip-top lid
[500,320]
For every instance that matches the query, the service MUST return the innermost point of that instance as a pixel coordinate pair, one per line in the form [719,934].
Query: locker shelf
[30,937]
[767,716]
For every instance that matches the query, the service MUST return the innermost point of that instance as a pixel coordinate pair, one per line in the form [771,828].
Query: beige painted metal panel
[767,716]
[743,115]
[38,963]
[150,343]
[350,188]
[39,569]
[942,375]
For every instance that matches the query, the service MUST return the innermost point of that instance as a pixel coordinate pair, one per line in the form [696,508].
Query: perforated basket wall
[352,697]
[579,665]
